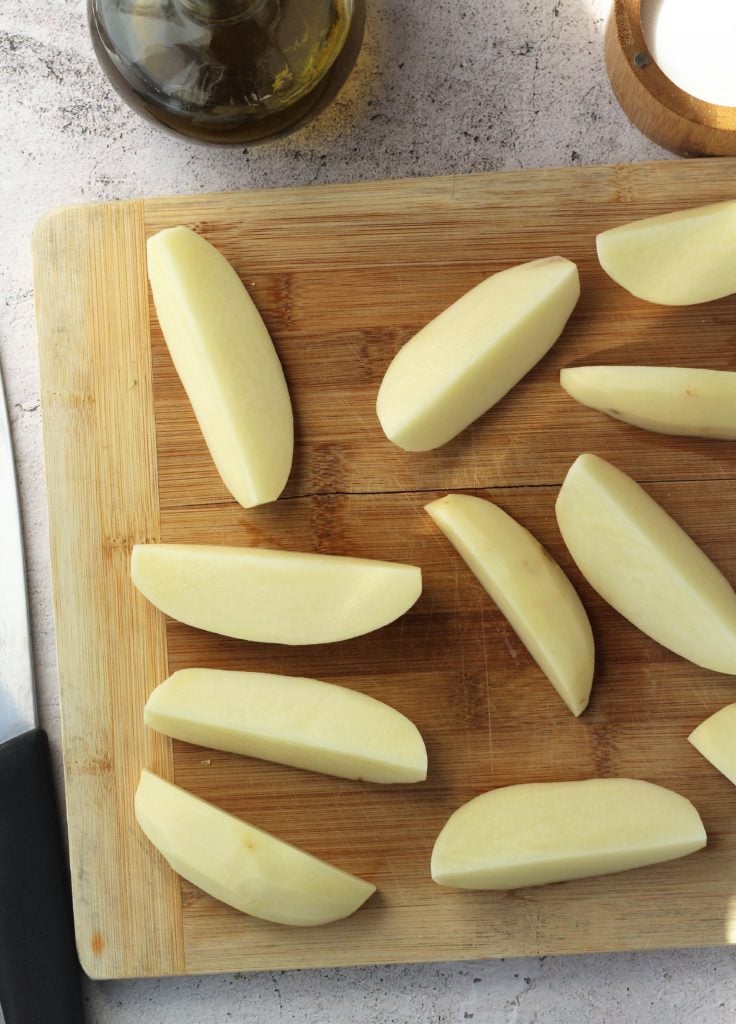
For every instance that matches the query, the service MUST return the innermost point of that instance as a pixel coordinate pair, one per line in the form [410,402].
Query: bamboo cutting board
[343,275]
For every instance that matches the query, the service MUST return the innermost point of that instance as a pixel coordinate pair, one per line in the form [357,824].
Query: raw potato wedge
[225,358]
[665,399]
[240,865]
[715,738]
[467,358]
[528,586]
[304,723]
[675,259]
[544,832]
[640,561]
[281,597]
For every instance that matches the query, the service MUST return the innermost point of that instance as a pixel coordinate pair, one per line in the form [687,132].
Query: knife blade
[40,979]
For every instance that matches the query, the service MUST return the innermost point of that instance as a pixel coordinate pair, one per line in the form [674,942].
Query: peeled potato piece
[300,722]
[675,259]
[555,831]
[469,356]
[240,865]
[715,738]
[640,561]
[282,597]
[528,586]
[227,363]
[665,399]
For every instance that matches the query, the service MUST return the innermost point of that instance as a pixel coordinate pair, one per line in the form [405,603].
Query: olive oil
[227,71]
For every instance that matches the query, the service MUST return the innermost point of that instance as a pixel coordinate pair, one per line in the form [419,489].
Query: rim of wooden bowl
[662,89]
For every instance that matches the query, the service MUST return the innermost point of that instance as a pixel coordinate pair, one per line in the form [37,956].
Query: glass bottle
[227,71]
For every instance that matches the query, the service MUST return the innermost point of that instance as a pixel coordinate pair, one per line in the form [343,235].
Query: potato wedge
[640,561]
[664,399]
[715,738]
[304,723]
[472,354]
[675,259]
[227,363]
[282,597]
[240,865]
[528,586]
[537,833]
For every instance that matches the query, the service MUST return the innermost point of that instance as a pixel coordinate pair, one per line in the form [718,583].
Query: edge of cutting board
[90,541]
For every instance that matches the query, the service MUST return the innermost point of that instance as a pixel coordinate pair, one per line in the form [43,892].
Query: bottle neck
[217,11]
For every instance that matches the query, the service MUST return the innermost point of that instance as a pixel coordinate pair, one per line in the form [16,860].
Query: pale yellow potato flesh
[675,259]
[473,353]
[301,722]
[537,833]
[715,738]
[665,399]
[227,363]
[283,597]
[528,586]
[645,565]
[241,865]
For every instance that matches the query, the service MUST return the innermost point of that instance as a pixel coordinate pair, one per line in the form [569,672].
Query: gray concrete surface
[440,87]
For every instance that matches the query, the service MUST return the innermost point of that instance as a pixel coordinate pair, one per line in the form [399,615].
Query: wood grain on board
[343,276]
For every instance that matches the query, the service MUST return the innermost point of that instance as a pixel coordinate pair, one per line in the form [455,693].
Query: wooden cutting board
[343,276]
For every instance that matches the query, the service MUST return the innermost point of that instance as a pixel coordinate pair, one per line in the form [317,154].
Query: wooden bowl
[661,110]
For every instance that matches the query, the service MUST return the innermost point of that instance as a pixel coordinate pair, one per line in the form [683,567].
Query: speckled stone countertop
[440,87]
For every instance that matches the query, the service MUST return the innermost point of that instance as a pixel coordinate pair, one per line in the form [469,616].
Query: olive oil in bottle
[227,71]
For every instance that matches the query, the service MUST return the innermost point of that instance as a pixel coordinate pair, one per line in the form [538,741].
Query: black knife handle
[39,971]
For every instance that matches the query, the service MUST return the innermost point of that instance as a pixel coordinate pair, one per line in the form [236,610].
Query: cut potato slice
[225,358]
[240,865]
[715,738]
[304,723]
[555,831]
[640,561]
[468,357]
[528,586]
[282,597]
[665,399]
[675,259]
